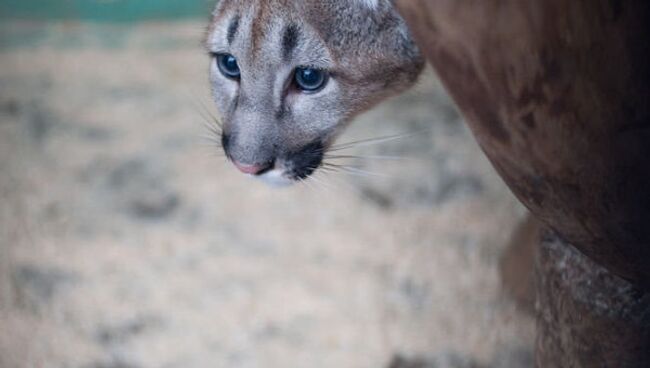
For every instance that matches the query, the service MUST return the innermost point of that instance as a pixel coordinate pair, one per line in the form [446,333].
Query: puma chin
[288,75]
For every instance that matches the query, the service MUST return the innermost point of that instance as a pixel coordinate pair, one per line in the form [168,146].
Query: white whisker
[353,170]
[328,188]
[307,184]
[375,157]
[212,117]
[371,141]
[211,138]
[332,178]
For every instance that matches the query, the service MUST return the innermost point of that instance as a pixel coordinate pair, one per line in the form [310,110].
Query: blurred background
[127,241]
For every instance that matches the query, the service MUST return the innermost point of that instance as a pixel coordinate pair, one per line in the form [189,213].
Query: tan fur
[363,45]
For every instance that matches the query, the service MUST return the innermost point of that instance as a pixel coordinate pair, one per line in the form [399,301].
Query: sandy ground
[126,240]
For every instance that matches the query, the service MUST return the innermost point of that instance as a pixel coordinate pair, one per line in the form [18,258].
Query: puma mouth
[276,178]
[288,172]
[288,167]
[282,177]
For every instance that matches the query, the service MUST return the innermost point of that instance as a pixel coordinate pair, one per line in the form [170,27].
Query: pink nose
[250,169]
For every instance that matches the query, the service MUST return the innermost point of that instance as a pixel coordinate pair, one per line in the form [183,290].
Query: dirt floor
[126,240]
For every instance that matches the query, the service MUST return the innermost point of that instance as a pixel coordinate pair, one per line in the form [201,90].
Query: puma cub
[288,75]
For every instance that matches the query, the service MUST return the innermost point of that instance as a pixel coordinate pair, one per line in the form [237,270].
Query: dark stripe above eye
[290,40]
[232,29]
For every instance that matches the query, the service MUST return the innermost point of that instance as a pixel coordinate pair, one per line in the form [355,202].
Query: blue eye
[228,66]
[310,79]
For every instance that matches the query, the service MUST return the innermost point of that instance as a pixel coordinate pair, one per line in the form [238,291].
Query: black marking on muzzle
[267,167]
[306,160]
[225,144]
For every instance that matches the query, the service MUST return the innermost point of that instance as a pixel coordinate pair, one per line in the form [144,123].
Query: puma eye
[310,79]
[228,66]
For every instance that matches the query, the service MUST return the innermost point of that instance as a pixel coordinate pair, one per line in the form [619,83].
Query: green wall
[105,10]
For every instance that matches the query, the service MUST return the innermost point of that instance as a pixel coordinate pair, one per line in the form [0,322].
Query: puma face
[287,76]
